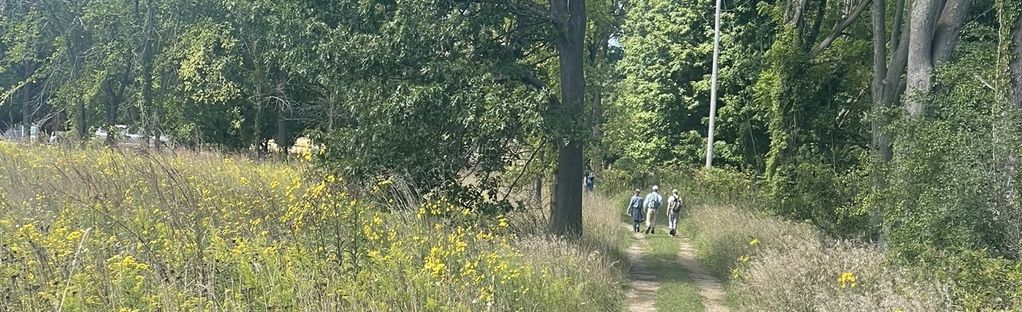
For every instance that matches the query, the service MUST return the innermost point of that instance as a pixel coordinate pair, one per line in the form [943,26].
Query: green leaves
[207,54]
[663,96]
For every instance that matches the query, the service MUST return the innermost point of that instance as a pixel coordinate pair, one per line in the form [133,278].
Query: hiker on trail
[674,204]
[653,202]
[590,182]
[635,209]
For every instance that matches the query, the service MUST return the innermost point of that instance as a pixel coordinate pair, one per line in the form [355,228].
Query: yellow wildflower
[502,222]
[846,279]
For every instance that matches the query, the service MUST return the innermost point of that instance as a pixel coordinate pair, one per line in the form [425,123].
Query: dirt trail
[710,288]
[643,287]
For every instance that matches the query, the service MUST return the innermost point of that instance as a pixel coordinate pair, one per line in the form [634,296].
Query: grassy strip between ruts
[677,291]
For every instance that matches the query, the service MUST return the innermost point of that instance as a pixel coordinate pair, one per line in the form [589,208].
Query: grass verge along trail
[710,288]
[658,277]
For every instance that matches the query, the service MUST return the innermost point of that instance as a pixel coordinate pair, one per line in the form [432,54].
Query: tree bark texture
[27,94]
[881,141]
[281,138]
[1016,64]
[148,56]
[538,194]
[1006,137]
[934,27]
[920,61]
[889,61]
[948,27]
[566,214]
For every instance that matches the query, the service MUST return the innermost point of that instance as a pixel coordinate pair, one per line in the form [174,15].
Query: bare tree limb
[814,32]
[893,83]
[899,17]
[842,26]
[525,168]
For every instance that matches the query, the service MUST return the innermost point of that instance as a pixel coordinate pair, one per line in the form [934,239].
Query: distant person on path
[674,204]
[635,209]
[653,202]
[590,182]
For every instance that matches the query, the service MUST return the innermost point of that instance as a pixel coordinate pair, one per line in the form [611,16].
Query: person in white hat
[653,202]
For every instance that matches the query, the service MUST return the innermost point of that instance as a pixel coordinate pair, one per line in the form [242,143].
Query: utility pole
[713,88]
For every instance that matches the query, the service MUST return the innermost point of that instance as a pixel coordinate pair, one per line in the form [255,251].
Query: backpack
[676,201]
[636,202]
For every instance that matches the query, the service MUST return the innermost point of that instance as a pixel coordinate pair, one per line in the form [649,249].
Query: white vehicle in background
[25,134]
[123,135]
[13,134]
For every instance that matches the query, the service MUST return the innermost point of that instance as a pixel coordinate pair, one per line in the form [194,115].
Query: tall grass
[776,265]
[99,230]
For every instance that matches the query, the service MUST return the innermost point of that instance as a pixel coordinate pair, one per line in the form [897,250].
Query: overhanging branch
[842,26]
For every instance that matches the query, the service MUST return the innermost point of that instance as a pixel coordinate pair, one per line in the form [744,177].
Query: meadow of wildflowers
[101,230]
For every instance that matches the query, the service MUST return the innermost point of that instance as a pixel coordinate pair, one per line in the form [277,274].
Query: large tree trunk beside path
[566,213]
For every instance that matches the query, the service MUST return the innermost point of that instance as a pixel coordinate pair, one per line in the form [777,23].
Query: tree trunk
[113,99]
[881,141]
[1011,162]
[257,129]
[898,25]
[72,58]
[1016,64]
[920,61]
[28,104]
[114,89]
[948,26]
[281,138]
[894,84]
[597,132]
[27,107]
[148,56]
[83,128]
[888,68]
[539,191]
[566,214]
[934,26]
[331,110]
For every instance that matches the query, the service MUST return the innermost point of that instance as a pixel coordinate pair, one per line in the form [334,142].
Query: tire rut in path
[710,288]
[643,284]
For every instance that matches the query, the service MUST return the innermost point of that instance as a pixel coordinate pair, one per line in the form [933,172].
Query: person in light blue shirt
[653,202]
[636,210]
